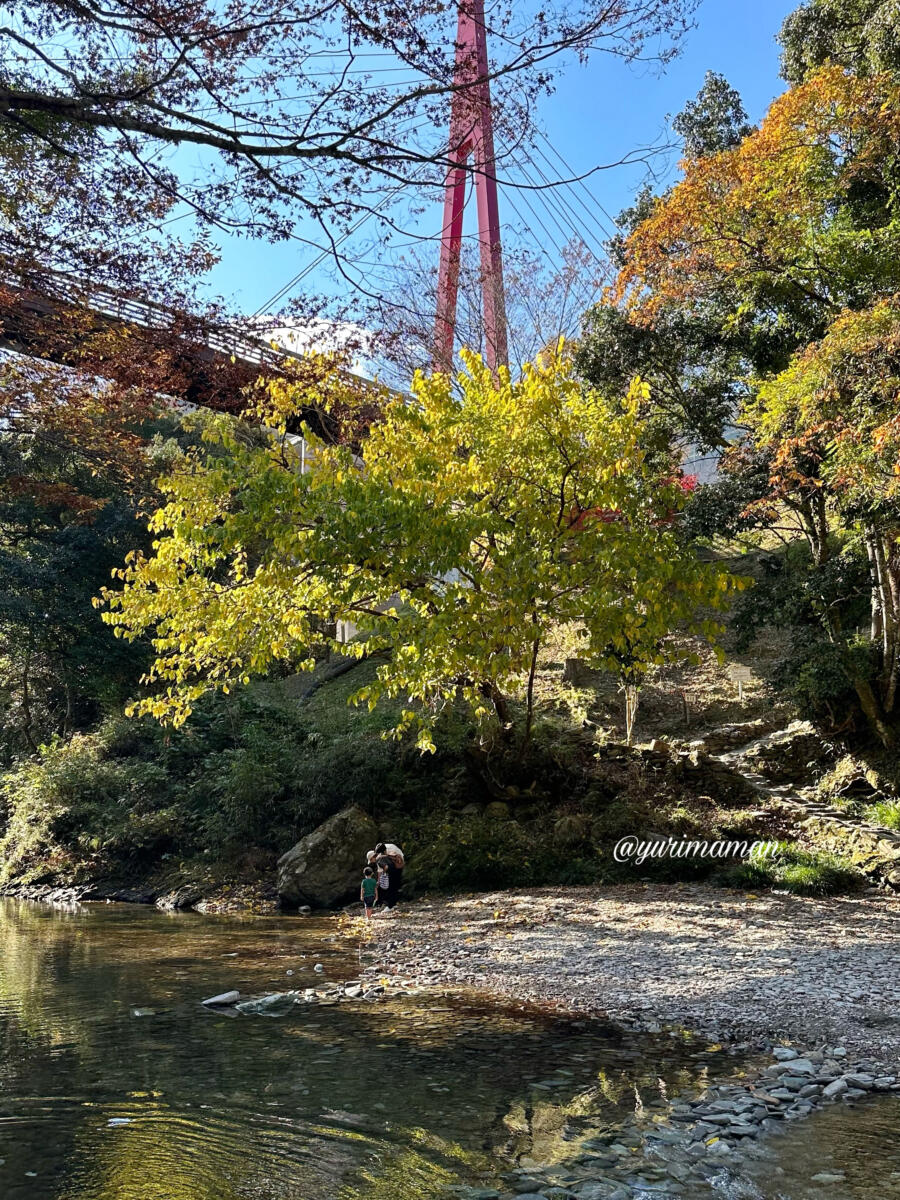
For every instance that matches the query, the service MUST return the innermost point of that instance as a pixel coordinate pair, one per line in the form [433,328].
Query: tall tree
[691,357]
[716,120]
[862,36]
[459,537]
[792,239]
[797,222]
[831,422]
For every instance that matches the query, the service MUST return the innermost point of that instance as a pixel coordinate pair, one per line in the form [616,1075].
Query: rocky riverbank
[731,966]
[807,988]
[171,894]
[686,1145]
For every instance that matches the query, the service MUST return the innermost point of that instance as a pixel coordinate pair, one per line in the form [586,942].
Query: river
[117,1084]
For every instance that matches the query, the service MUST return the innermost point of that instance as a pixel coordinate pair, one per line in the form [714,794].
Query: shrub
[123,797]
[798,870]
[472,852]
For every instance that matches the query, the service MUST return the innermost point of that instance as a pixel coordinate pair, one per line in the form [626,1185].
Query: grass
[885,812]
[800,870]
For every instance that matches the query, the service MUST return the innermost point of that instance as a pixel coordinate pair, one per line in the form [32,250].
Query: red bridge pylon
[471,134]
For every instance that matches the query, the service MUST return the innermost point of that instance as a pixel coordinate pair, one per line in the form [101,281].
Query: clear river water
[116,1084]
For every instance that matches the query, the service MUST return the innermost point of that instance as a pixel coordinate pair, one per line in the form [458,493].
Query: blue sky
[597,113]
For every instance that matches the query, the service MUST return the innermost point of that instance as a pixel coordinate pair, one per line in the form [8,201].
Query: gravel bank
[731,965]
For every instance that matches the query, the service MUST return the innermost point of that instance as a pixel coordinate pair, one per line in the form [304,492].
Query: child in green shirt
[367,891]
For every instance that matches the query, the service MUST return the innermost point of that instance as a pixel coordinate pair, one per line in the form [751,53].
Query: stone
[801,1066]
[742,1130]
[784,1053]
[274,1005]
[180,898]
[794,1083]
[223,999]
[832,1090]
[324,868]
[859,1080]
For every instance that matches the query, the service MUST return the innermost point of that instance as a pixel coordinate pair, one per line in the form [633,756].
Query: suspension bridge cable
[527,201]
[560,188]
[541,245]
[326,253]
[544,192]
[554,203]
[587,191]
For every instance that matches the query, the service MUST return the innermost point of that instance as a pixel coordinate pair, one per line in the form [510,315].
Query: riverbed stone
[324,868]
[860,1080]
[834,1089]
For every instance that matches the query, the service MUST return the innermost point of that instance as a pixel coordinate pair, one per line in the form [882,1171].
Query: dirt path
[729,964]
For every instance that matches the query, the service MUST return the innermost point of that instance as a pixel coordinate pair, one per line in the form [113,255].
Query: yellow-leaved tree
[462,531]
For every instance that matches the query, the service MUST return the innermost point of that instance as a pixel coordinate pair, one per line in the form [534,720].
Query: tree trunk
[632,696]
[875,714]
[491,692]
[886,568]
[529,698]
[876,627]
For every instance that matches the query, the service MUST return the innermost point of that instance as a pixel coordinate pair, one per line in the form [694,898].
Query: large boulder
[325,867]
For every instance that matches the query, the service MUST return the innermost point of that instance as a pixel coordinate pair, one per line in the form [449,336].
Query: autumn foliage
[773,211]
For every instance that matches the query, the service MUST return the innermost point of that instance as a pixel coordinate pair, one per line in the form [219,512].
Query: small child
[383,864]
[367,891]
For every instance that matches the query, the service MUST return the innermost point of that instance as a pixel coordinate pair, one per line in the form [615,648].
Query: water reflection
[398,1100]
